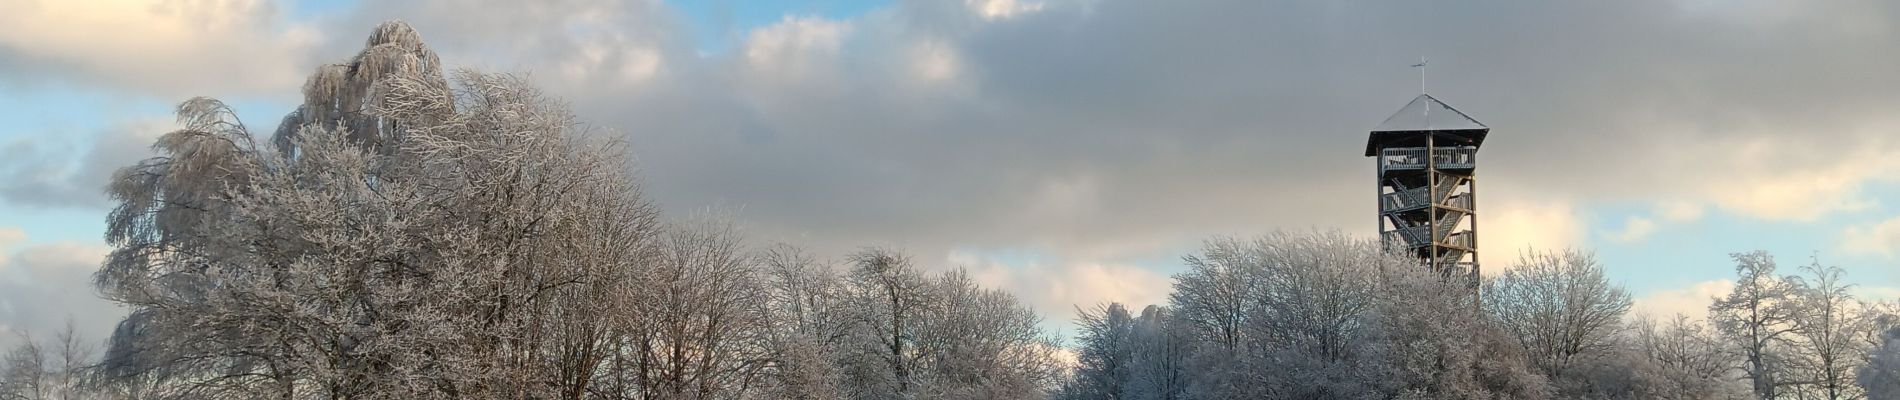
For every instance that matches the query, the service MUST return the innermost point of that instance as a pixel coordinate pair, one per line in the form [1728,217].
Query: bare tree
[1104,353]
[1158,357]
[700,337]
[1757,317]
[913,336]
[32,370]
[1560,307]
[23,376]
[1684,358]
[1214,294]
[891,295]
[1330,316]
[1828,322]
[1880,378]
[977,343]
[807,325]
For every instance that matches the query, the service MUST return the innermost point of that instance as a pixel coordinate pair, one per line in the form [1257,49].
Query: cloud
[1692,301]
[603,46]
[1520,226]
[44,172]
[1881,238]
[1775,190]
[995,9]
[1637,228]
[794,46]
[42,286]
[169,48]
[1056,289]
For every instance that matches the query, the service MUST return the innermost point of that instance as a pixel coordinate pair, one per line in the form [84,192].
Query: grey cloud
[44,172]
[42,287]
[1165,122]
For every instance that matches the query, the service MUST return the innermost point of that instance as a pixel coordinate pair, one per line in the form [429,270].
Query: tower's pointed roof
[1425,117]
[1426,113]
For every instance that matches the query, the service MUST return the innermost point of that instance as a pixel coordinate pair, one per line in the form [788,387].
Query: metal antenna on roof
[1427,113]
[1421,73]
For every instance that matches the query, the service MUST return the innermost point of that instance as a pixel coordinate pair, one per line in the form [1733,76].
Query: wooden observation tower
[1428,158]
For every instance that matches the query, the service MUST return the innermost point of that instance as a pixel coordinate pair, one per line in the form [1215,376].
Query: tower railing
[1460,240]
[1459,157]
[1420,236]
[1413,236]
[1420,197]
[1405,199]
[1462,201]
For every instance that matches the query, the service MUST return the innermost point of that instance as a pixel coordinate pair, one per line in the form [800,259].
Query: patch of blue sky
[306,9]
[720,25]
[1679,254]
[62,110]
[44,225]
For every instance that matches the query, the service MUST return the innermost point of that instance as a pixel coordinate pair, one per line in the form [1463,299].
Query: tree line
[409,233]
[1313,316]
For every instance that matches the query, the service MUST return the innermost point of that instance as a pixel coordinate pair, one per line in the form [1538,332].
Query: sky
[1069,151]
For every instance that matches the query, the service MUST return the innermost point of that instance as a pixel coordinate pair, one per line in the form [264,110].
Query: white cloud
[1637,228]
[1509,228]
[1882,238]
[1055,289]
[935,61]
[795,46]
[1692,301]
[169,48]
[617,60]
[998,9]
[1783,179]
[10,237]
[1634,229]
[1679,211]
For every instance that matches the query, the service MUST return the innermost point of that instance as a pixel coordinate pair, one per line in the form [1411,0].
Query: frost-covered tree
[1828,326]
[1880,377]
[891,295]
[1431,343]
[33,370]
[1158,357]
[1756,319]
[1214,295]
[915,336]
[1560,308]
[1104,353]
[700,333]
[808,325]
[1330,316]
[400,237]
[1681,358]
[1122,356]
[977,343]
